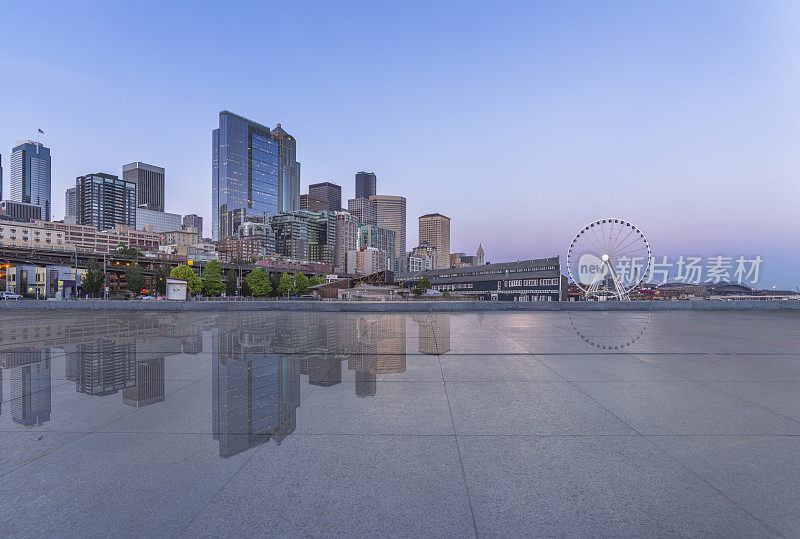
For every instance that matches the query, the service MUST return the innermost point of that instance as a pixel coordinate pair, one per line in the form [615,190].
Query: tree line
[257,283]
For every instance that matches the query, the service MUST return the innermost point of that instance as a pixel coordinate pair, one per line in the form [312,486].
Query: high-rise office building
[104,201]
[329,192]
[149,182]
[255,173]
[391,215]
[157,221]
[194,220]
[346,239]
[20,211]
[434,228]
[365,184]
[363,209]
[30,175]
[305,235]
[1,177]
[71,204]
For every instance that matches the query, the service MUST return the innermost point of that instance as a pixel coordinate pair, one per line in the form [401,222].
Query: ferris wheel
[608,258]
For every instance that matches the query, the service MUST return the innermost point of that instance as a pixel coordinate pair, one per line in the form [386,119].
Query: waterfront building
[261,232]
[19,211]
[415,264]
[71,205]
[309,203]
[391,215]
[525,280]
[328,192]
[305,235]
[193,220]
[363,209]
[157,221]
[434,228]
[55,236]
[105,201]
[346,239]
[30,175]
[32,236]
[254,173]
[149,180]
[365,184]
[379,238]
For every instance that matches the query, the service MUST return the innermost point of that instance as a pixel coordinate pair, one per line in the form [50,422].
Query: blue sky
[521,121]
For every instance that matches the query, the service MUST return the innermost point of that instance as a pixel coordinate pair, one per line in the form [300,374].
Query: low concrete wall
[400,306]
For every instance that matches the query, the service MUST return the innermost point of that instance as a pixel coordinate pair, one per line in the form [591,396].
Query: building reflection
[28,376]
[257,362]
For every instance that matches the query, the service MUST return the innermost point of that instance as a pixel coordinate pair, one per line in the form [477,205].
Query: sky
[521,121]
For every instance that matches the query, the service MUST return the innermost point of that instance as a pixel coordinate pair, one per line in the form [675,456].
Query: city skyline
[657,133]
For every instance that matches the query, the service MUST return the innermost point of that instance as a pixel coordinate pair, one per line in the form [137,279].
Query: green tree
[160,279]
[314,281]
[424,283]
[274,281]
[185,272]
[300,284]
[135,279]
[212,279]
[285,285]
[93,278]
[230,283]
[124,250]
[258,281]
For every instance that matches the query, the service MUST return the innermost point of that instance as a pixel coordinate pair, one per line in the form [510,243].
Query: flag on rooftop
[40,131]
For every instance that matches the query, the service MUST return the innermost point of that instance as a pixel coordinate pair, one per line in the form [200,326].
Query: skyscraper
[329,192]
[1,177]
[346,240]
[363,209]
[149,182]
[71,203]
[104,201]
[365,184]
[194,220]
[391,215]
[254,173]
[434,228]
[30,175]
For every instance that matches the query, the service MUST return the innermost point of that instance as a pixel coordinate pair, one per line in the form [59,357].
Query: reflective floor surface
[360,424]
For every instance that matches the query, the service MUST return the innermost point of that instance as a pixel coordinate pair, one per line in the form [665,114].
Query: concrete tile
[759,473]
[387,408]
[591,486]
[494,367]
[605,367]
[20,448]
[727,367]
[355,486]
[684,408]
[528,408]
[780,397]
[115,485]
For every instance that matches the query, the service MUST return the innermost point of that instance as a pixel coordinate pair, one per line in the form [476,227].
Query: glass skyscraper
[255,173]
[365,184]
[30,175]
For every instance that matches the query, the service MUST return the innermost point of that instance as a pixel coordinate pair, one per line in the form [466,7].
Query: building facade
[19,211]
[346,239]
[255,173]
[390,214]
[365,184]
[30,175]
[149,180]
[378,238]
[193,220]
[71,204]
[434,228]
[525,280]
[309,203]
[105,201]
[363,209]
[157,221]
[328,192]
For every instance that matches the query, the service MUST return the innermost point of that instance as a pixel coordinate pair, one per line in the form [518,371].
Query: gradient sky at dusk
[521,121]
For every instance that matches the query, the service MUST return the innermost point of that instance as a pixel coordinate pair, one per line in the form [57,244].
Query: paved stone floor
[348,424]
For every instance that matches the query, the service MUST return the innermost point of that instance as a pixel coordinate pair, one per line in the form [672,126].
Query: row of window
[457,286]
[515,283]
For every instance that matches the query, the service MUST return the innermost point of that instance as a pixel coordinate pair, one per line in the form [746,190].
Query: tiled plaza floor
[349,424]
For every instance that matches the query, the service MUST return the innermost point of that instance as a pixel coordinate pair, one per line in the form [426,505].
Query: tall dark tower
[365,184]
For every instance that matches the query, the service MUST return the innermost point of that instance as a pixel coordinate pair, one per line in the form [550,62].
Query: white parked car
[5,294]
